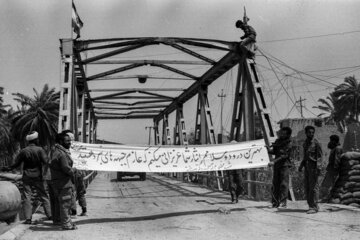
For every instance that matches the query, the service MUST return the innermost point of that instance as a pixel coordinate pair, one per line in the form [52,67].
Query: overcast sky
[311,36]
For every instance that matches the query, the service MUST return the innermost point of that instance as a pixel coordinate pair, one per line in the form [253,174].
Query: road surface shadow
[183,191]
[289,210]
[153,217]
[282,210]
[127,180]
[45,227]
[215,203]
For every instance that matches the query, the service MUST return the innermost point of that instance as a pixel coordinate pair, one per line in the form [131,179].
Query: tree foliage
[335,113]
[38,113]
[347,97]
[7,144]
[342,106]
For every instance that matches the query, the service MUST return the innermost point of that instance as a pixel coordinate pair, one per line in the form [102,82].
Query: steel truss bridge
[87,66]
[91,68]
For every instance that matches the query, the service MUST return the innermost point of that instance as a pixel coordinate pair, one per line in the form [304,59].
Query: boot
[73,212]
[27,221]
[83,212]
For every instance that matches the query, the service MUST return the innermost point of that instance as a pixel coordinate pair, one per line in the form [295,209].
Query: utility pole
[221,96]
[301,105]
[149,127]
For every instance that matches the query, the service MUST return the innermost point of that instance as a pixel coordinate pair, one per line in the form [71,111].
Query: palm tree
[7,144]
[348,97]
[39,113]
[331,105]
[2,106]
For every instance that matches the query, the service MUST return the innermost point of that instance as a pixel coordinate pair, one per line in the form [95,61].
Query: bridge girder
[83,55]
[123,45]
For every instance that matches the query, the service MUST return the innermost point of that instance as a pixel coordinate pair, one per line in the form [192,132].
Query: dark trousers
[79,193]
[54,203]
[235,184]
[39,186]
[280,185]
[63,198]
[82,200]
[328,183]
[311,186]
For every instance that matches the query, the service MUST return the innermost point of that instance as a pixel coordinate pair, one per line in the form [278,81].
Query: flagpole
[71,24]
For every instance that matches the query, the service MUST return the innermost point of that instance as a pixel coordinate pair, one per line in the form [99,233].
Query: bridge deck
[162,208]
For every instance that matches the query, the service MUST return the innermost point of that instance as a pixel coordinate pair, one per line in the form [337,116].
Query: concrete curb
[19,229]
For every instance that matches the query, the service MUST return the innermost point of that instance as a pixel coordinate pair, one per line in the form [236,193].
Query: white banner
[193,158]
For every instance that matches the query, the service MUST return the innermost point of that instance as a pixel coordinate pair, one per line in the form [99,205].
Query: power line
[289,111]
[285,65]
[281,82]
[332,69]
[310,111]
[309,37]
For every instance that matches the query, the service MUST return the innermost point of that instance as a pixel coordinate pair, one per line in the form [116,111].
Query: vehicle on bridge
[120,175]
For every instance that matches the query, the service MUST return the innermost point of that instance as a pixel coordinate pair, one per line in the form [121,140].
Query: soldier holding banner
[281,148]
[79,189]
[62,175]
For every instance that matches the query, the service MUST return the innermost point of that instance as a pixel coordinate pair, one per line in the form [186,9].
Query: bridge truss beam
[82,105]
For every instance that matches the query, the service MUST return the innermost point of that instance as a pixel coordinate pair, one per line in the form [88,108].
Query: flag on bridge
[77,24]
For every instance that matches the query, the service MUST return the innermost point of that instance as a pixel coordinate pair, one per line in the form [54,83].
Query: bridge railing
[90,175]
[256,182]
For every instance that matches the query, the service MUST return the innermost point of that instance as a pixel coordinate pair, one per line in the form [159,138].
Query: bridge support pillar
[166,139]
[180,137]
[204,130]
[248,95]
[180,131]
[156,133]
[66,85]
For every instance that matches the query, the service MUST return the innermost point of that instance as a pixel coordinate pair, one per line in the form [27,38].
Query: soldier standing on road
[33,158]
[235,185]
[79,189]
[281,148]
[80,192]
[332,169]
[62,175]
[311,162]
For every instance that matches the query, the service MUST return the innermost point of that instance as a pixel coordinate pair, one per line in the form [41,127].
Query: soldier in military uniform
[332,169]
[281,148]
[311,163]
[235,185]
[79,189]
[62,175]
[33,159]
[249,37]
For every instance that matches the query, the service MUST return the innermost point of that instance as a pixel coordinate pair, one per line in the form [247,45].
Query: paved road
[162,208]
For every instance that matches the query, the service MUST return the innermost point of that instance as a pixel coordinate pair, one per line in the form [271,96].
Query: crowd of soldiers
[282,150]
[58,185]
[311,163]
[52,178]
